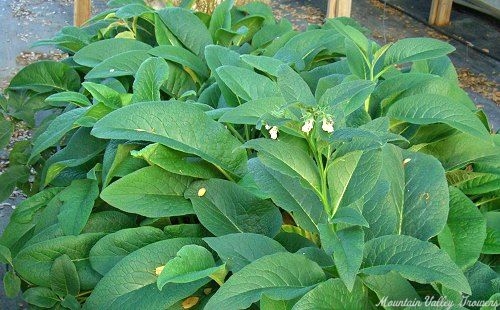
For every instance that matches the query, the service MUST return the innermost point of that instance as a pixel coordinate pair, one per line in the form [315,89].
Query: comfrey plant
[229,162]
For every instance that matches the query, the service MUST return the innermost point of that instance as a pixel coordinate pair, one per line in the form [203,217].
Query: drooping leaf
[223,207]
[221,17]
[293,88]
[132,282]
[208,140]
[56,130]
[11,284]
[78,200]
[414,259]
[183,57]
[111,249]
[465,230]
[6,131]
[135,193]
[41,297]
[265,276]
[251,111]
[105,94]
[346,245]
[240,249]
[69,96]
[391,287]
[151,75]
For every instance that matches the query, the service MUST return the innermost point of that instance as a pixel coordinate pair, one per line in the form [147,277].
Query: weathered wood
[81,12]
[440,12]
[337,8]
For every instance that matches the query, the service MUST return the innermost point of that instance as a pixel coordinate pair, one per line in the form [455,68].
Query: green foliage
[230,162]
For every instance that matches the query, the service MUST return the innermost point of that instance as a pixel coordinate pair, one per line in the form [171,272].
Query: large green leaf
[391,287]
[347,247]
[193,262]
[293,88]
[416,260]
[465,230]
[64,276]
[69,96]
[123,64]
[78,201]
[246,84]
[240,249]
[177,162]
[95,53]
[338,296]
[11,284]
[172,125]
[81,148]
[266,276]
[134,193]
[150,76]
[251,111]
[105,94]
[288,159]
[492,242]
[111,249]
[45,76]
[34,262]
[352,176]
[287,192]
[6,131]
[41,297]
[223,207]
[118,161]
[188,28]
[56,130]
[221,17]
[413,49]
[426,109]
[183,57]
[131,284]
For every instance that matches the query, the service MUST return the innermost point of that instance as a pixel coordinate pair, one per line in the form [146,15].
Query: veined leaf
[391,287]
[425,109]
[293,88]
[413,49]
[41,297]
[251,111]
[69,96]
[64,276]
[78,201]
[47,75]
[111,249]
[123,64]
[339,297]
[134,193]
[208,140]
[414,259]
[221,17]
[95,53]
[150,76]
[6,131]
[287,159]
[132,282]
[287,192]
[192,263]
[224,207]
[105,94]
[346,245]
[56,130]
[41,256]
[187,28]
[246,84]
[240,249]
[183,57]
[11,284]
[465,231]
[265,276]
[177,162]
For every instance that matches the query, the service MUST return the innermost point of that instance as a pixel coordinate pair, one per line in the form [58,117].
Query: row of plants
[227,161]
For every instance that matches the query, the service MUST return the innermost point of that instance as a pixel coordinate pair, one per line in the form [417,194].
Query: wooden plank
[81,12]
[337,8]
[440,12]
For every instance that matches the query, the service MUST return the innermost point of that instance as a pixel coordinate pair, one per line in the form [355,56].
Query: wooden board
[82,12]
[338,8]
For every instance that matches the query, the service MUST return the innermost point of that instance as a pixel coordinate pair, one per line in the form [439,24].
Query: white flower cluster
[327,124]
[273,131]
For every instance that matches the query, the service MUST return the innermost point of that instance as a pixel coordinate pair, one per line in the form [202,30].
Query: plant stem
[235,132]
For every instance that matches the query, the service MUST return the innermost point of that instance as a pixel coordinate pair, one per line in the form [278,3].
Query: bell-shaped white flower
[273,132]
[327,125]
[308,125]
